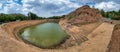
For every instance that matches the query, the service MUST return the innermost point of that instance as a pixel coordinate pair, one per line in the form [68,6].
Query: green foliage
[71,17]
[31,16]
[56,17]
[115,15]
[14,17]
[103,13]
[11,17]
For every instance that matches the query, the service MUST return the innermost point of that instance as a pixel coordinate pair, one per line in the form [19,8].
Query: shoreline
[13,28]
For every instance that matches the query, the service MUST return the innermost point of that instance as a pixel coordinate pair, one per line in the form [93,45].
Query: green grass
[71,17]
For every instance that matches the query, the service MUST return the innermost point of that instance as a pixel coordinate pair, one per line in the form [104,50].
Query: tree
[11,17]
[119,11]
[103,13]
[32,16]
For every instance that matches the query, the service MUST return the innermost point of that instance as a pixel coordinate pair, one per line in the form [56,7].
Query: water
[44,35]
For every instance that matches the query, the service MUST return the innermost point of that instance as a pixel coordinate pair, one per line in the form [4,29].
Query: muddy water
[44,35]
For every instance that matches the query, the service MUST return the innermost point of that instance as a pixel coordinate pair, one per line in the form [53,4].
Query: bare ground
[114,45]
[97,40]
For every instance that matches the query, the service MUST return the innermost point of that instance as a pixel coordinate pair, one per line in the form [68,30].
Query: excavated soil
[95,40]
[84,15]
[114,45]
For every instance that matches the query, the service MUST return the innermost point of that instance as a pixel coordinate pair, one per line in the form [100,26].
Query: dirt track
[98,39]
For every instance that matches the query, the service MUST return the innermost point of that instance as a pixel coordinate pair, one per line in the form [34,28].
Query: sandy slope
[98,39]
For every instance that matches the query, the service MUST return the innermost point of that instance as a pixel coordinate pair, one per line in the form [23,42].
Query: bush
[71,17]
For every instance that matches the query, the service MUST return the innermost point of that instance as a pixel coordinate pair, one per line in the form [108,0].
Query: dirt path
[98,39]
[114,45]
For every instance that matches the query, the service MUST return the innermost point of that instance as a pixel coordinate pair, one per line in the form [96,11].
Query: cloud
[8,6]
[117,1]
[0,6]
[108,6]
[48,8]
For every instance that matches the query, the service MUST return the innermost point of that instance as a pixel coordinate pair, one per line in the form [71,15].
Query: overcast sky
[48,8]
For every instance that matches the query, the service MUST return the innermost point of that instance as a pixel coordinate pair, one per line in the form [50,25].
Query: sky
[47,8]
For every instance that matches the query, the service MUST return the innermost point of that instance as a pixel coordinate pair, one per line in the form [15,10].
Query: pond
[44,35]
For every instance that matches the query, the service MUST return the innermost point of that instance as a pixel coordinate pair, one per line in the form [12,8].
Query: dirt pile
[80,17]
[84,14]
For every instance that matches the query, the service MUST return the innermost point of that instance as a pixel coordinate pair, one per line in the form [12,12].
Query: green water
[44,35]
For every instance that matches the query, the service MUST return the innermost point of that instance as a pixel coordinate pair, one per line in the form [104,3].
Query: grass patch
[71,17]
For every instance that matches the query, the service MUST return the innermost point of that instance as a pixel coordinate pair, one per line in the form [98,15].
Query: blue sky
[48,8]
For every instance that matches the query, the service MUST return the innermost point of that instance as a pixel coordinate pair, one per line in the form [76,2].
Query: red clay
[84,14]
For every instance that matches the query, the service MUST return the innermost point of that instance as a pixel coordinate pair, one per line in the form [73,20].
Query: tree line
[17,16]
[115,15]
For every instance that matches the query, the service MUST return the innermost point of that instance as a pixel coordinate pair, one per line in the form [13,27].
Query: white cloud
[13,8]
[108,6]
[52,7]
[0,6]
[49,7]
[10,7]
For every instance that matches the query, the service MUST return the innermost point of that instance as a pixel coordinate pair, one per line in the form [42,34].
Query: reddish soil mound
[114,45]
[84,14]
